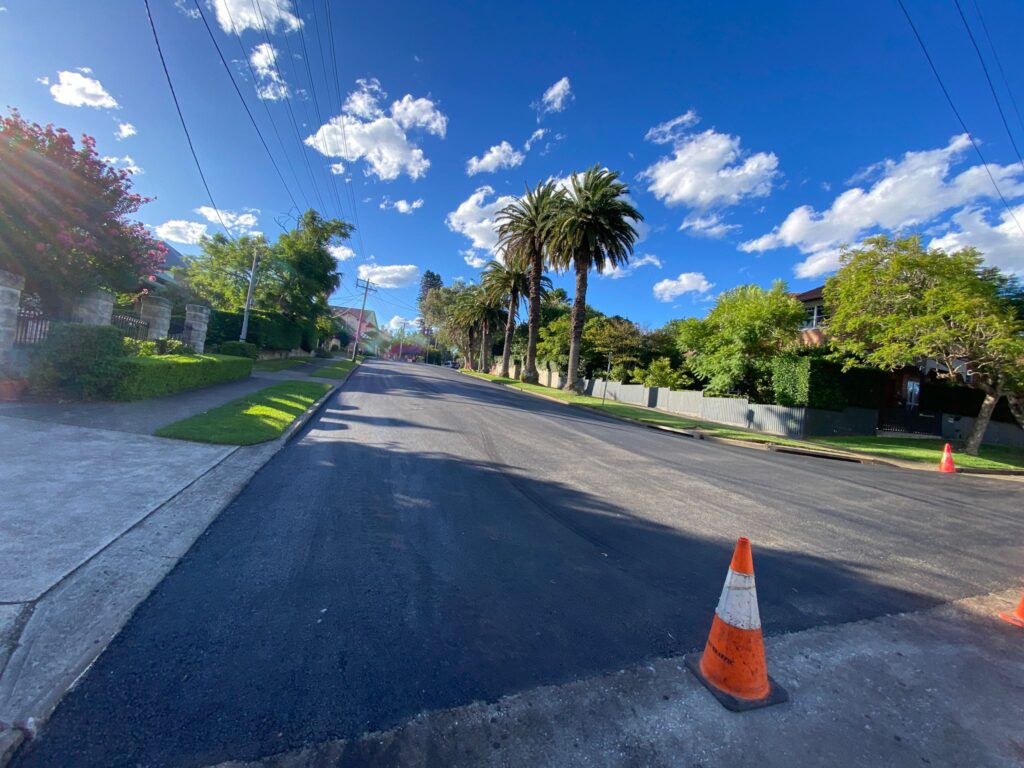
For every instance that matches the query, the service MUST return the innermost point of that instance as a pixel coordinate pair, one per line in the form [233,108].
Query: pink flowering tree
[64,216]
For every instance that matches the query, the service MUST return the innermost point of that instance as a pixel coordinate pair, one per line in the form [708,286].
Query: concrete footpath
[941,687]
[94,513]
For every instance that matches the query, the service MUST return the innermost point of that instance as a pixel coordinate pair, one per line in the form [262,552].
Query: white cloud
[365,131]
[555,98]
[475,218]
[43,80]
[390,275]
[187,9]
[237,223]
[909,192]
[709,169]
[687,282]
[395,323]
[124,130]
[617,273]
[270,85]
[76,90]
[708,225]
[536,136]
[179,231]
[1001,243]
[474,259]
[236,16]
[672,130]
[341,252]
[402,206]
[126,163]
[419,113]
[499,156]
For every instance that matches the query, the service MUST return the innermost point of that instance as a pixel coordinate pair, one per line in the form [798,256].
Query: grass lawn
[899,449]
[339,370]
[256,418]
[279,364]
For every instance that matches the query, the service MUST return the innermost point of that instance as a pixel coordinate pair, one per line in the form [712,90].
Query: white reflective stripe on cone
[737,606]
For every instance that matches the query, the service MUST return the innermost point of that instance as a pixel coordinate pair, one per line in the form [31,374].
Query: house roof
[812,295]
[352,313]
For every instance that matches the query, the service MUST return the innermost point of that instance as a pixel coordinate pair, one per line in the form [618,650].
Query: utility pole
[367,286]
[401,341]
[248,296]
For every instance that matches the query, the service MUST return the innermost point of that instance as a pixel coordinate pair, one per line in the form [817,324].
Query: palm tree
[594,229]
[524,232]
[474,315]
[509,280]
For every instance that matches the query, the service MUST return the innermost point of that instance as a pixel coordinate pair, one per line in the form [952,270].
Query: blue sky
[756,138]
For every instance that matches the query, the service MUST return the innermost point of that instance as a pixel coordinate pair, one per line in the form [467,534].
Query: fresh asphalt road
[432,539]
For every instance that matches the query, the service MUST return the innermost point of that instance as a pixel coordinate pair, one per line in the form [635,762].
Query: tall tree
[524,231]
[219,274]
[732,348]
[308,272]
[508,281]
[593,230]
[893,303]
[428,282]
[64,216]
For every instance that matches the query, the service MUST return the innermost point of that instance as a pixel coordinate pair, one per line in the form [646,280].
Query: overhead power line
[991,86]
[241,98]
[956,112]
[181,117]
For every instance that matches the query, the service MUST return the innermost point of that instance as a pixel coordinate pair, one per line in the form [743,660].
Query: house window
[815,317]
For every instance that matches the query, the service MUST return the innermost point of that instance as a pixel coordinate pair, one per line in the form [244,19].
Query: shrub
[237,349]
[620,373]
[159,347]
[815,382]
[269,330]
[139,348]
[78,361]
[143,377]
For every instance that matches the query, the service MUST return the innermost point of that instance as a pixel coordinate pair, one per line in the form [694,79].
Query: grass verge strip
[256,418]
[339,370]
[916,450]
[279,364]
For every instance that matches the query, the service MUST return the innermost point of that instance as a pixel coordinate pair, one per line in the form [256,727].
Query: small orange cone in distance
[1017,617]
[947,465]
[733,665]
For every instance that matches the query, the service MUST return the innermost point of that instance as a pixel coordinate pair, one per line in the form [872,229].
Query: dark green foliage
[77,361]
[945,397]
[237,349]
[266,330]
[143,377]
[157,347]
[815,382]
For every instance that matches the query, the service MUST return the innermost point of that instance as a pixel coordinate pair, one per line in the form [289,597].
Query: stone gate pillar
[156,310]
[94,308]
[197,318]
[11,286]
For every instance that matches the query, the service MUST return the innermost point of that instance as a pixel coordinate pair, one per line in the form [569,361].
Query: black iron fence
[33,326]
[130,324]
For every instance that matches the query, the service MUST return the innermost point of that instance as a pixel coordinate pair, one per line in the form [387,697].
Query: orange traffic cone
[947,465]
[733,665]
[1017,617]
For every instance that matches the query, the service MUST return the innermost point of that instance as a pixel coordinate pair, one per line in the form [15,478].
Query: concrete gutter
[699,434]
[58,637]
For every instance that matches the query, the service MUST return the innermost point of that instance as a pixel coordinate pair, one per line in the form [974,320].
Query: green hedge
[237,349]
[266,330]
[77,361]
[143,377]
[814,382]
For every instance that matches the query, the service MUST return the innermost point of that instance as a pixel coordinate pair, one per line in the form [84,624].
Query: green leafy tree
[428,282]
[893,304]
[524,232]
[593,230]
[611,338]
[64,222]
[508,281]
[733,346]
[220,273]
[307,272]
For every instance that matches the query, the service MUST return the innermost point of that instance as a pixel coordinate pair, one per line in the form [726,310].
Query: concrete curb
[76,631]
[853,458]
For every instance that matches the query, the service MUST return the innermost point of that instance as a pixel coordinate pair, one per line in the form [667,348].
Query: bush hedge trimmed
[266,330]
[143,377]
[237,349]
[815,382]
[77,361]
